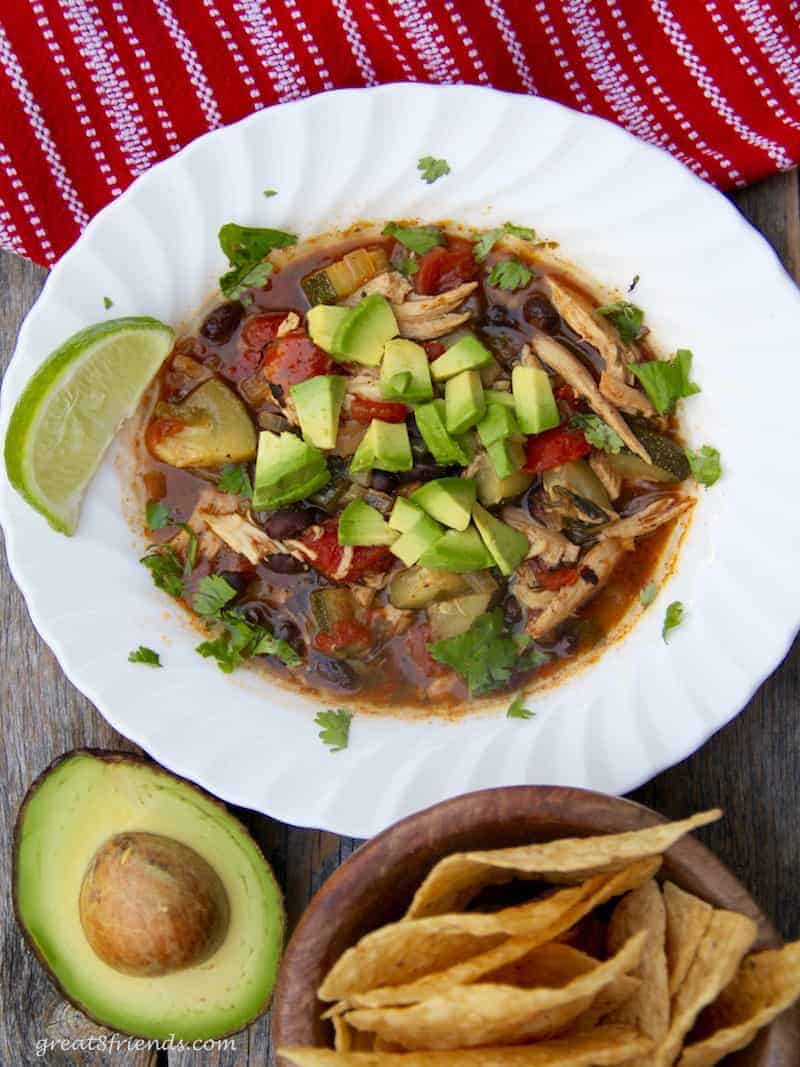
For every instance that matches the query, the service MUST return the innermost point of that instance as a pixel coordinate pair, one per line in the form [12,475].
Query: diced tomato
[362,409]
[433,349]
[324,542]
[346,636]
[259,330]
[244,366]
[160,429]
[445,267]
[568,401]
[556,579]
[156,484]
[554,447]
[417,640]
[293,358]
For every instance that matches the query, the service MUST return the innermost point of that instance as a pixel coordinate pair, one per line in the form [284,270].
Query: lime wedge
[72,407]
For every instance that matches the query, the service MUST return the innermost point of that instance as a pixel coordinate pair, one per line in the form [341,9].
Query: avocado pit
[150,905]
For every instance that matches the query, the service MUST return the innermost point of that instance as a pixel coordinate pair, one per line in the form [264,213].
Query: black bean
[283,563]
[383,482]
[276,390]
[423,472]
[539,312]
[235,579]
[512,612]
[286,522]
[257,613]
[287,630]
[335,673]
[219,324]
[497,315]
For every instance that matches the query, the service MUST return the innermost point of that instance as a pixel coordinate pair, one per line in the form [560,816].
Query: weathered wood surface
[751,768]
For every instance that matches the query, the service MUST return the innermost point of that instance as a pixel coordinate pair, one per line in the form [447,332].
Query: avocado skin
[120,757]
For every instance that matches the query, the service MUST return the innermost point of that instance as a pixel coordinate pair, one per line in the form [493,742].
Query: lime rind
[81,354]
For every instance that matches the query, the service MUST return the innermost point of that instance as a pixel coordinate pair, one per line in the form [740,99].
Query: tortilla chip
[614,995]
[455,880]
[551,965]
[493,1014]
[766,984]
[648,1009]
[361,973]
[687,921]
[342,1041]
[605,1047]
[718,956]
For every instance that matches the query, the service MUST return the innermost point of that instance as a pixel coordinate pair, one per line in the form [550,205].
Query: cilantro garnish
[666,381]
[648,594]
[517,710]
[598,433]
[241,640]
[484,656]
[145,655]
[213,593]
[431,169]
[157,515]
[634,283]
[191,549]
[246,247]
[270,192]
[627,318]
[489,239]
[335,728]
[673,618]
[234,478]
[510,274]
[705,464]
[166,570]
[409,266]
[107,302]
[419,239]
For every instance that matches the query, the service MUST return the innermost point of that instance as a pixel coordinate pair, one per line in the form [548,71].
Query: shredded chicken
[365,384]
[428,329]
[643,522]
[524,587]
[596,568]
[548,545]
[390,284]
[528,358]
[633,401]
[575,374]
[291,322]
[242,536]
[610,479]
[344,564]
[394,620]
[432,307]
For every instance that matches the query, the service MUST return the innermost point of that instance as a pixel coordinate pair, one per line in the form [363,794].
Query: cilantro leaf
[419,239]
[335,728]
[431,168]
[484,656]
[648,594]
[667,381]
[145,655]
[213,593]
[157,515]
[270,192]
[275,646]
[228,658]
[673,618]
[705,464]
[107,302]
[235,478]
[409,266]
[246,247]
[598,433]
[241,640]
[517,710]
[191,549]
[634,283]
[166,570]
[510,274]
[487,241]
[627,318]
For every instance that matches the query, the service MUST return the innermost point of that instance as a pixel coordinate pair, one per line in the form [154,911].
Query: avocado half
[88,800]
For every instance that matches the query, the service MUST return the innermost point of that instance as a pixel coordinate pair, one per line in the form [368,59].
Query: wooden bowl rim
[689,863]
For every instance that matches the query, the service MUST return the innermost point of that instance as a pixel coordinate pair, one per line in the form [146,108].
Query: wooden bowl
[376,884]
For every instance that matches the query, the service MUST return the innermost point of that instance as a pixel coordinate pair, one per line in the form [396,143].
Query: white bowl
[619,208]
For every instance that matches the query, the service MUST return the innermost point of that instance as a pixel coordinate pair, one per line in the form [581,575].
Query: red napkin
[92,92]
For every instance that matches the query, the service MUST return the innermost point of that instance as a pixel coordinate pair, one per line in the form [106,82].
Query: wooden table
[751,768]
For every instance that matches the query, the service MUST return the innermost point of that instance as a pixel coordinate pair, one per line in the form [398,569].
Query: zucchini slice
[342,278]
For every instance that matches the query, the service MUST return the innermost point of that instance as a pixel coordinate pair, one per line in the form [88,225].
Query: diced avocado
[287,469]
[361,335]
[318,401]
[323,321]
[422,535]
[497,424]
[498,396]
[430,419]
[464,403]
[492,489]
[360,524]
[404,515]
[459,551]
[450,500]
[405,372]
[449,618]
[508,546]
[466,354]
[533,399]
[385,445]
[502,458]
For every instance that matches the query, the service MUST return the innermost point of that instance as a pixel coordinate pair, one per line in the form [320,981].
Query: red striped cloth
[92,92]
